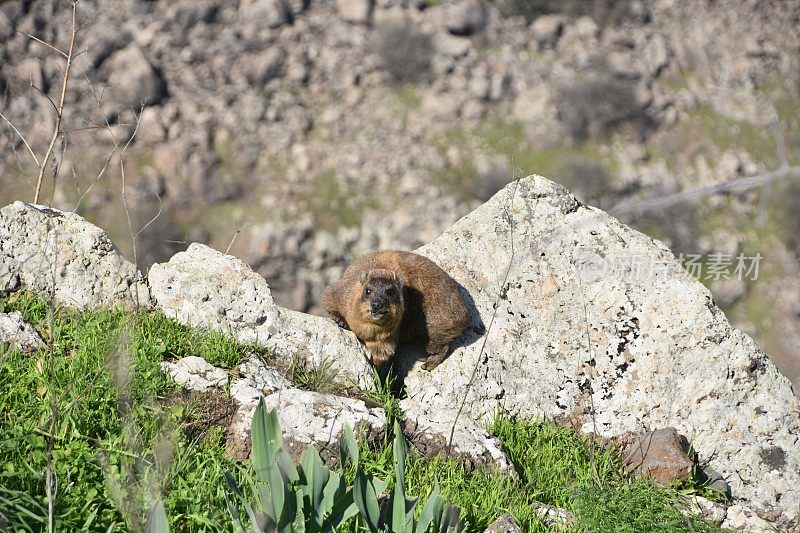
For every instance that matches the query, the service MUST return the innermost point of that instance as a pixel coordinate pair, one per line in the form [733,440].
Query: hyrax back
[391,297]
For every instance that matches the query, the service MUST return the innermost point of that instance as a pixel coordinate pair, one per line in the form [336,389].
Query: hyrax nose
[377,305]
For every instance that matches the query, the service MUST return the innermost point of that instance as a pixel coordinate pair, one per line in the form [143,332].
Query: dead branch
[60,112]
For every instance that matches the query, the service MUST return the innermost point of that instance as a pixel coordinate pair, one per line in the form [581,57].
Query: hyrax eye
[367,291]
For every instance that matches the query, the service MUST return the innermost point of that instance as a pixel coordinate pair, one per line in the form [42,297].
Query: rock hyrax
[390,298]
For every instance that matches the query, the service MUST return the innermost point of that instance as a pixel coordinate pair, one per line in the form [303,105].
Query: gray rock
[659,454]
[133,79]
[58,253]
[356,11]
[6,27]
[267,13]
[205,288]
[554,516]
[712,511]
[18,333]
[740,518]
[465,17]
[728,291]
[262,378]
[546,30]
[450,45]
[195,373]
[661,353]
[429,430]
[504,524]
[309,418]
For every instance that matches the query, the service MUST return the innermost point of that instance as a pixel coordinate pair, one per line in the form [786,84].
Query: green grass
[116,443]
[124,436]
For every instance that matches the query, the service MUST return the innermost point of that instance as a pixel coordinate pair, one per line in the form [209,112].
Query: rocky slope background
[619,357]
[301,133]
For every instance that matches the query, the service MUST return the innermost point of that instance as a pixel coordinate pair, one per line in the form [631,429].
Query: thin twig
[22,137]
[60,113]
[233,239]
[48,45]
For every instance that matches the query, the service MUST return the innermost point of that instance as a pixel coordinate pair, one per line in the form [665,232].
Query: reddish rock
[660,454]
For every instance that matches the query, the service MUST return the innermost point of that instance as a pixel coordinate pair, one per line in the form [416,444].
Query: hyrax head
[381,296]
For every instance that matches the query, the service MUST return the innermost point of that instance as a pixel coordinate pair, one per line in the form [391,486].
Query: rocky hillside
[551,338]
[300,133]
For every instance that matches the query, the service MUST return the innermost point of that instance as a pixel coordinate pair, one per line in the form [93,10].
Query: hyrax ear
[398,278]
[362,278]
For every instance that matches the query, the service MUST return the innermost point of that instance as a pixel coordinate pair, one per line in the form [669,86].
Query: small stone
[659,454]
[739,518]
[18,333]
[546,30]
[465,17]
[553,516]
[195,373]
[504,524]
[450,45]
[356,11]
[271,14]
[712,511]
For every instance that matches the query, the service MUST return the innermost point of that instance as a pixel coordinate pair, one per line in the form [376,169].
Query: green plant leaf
[348,447]
[432,510]
[232,510]
[343,508]
[365,495]
[316,478]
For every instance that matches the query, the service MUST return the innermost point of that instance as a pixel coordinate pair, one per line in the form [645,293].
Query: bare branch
[48,45]
[160,207]
[60,113]
[634,206]
[233,239]
[22,137]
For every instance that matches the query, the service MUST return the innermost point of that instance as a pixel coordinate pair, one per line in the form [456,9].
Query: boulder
[57,253]
[133,79]
[205,288]
[18,333]
[592,323]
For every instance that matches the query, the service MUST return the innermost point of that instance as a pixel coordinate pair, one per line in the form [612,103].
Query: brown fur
[430,314]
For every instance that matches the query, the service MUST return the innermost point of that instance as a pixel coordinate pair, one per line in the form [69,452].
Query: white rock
[711,511]
[58,253]
[195,373]
[309,418]
[356,11]
[262,378]
[429,430]
[465,17]
[18,333]
[205,288]
[739,518]
[662,354]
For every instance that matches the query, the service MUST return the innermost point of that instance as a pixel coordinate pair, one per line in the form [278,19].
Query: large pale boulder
[592,323]
[208,289]
[57,253]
